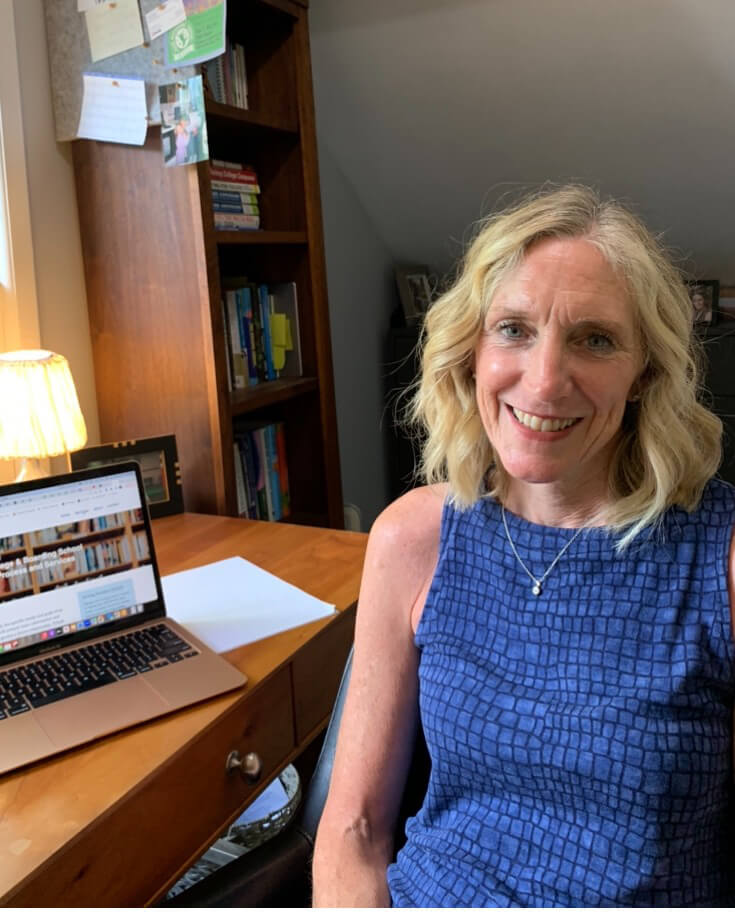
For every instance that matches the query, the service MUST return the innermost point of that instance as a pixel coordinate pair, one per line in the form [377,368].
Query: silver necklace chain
[538,582]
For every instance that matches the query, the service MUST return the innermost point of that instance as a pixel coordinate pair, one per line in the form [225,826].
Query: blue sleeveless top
[580,740]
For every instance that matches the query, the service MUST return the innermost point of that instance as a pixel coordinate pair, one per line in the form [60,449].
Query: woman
[560,606]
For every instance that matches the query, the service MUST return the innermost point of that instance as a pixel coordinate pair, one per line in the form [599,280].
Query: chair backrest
[316,793]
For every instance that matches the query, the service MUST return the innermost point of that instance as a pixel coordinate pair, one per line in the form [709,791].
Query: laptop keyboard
[57,677]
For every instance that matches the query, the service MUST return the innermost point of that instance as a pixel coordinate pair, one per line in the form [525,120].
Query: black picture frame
[159,465]
[414,291]
[704,295]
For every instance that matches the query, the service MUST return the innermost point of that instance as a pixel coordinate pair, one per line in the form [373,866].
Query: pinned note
[113,110]
[164,17]
[84,5]
[113,28]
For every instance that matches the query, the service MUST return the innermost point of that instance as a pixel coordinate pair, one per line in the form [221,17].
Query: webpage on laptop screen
[72,556]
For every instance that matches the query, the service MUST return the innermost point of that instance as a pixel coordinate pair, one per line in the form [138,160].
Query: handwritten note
[113,110]
[113,28]
[164,17]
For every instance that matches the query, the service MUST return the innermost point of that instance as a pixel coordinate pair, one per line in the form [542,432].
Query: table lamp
[39,410]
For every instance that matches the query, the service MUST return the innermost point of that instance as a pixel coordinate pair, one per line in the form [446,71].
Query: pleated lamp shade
[39,410]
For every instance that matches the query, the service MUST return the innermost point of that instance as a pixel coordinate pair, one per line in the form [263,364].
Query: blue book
[245,319]
[266,324]
[271,448]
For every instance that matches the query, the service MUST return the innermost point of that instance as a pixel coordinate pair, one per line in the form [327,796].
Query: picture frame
[414,291]
[704,295]
[159,465]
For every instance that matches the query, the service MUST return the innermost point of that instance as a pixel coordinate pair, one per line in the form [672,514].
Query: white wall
[57,255]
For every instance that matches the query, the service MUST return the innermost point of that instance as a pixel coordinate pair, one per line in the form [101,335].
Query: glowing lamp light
[39,410]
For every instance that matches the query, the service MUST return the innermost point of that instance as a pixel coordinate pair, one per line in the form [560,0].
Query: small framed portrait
[704,295]
[414,291]
[159,465]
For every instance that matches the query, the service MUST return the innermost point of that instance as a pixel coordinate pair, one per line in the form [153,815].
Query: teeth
[536,423]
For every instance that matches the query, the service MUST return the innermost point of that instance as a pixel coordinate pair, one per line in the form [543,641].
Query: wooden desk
[116,823]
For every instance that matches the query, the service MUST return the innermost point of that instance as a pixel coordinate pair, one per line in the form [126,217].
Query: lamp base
[30,468]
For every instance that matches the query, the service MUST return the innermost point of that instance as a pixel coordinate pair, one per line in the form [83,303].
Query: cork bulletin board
[70,57]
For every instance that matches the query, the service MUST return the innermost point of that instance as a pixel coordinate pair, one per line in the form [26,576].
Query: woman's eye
[511,330]
[598,342]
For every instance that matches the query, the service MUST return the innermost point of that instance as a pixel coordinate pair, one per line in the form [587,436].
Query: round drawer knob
[250,766]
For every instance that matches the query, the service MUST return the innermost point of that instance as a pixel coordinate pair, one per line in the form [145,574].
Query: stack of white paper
[233,602]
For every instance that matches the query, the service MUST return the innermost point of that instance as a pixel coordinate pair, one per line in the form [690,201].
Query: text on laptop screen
[72,556]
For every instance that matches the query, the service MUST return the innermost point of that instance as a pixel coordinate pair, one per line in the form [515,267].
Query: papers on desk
[233,602]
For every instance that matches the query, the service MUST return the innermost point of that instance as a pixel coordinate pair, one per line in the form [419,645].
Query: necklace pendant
[536,589]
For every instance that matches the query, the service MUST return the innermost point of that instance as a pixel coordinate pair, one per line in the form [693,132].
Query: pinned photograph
[704,294]
[183,123]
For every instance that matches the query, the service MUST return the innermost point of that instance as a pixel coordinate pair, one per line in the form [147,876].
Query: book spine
[238,362]
[246,208]
[235,196]
[244,318]
[275,478]
[224,62]
[264,314]
[283,470]
[251,476]
[235,221]
[247,309]
[262,439]
[235,186]
[258,333]
[244,175]
[242,500]
[228,344]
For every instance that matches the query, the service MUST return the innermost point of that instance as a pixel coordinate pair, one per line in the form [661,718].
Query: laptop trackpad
[100,712]
[23,741]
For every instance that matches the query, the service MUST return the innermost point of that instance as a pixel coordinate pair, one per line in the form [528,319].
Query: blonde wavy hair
[670,444]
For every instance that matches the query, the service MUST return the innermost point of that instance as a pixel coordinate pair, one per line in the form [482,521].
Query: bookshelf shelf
[229,117]
[260,237]
[269,393]
[157,272]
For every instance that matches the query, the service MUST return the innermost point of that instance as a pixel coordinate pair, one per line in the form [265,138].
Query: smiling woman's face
[555,365]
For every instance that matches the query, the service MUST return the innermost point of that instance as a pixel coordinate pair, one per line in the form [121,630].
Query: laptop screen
[75,555]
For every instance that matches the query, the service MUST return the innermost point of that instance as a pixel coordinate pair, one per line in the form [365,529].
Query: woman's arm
[355,839]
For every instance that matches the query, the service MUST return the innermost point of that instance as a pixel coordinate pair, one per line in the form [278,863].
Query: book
[269,437]
[228,343]
[242,498]
[283,470]
[234,186]
[239,364]
[235,196]
[263,297]
[247,208]
[235,221]
[245,174]
[245,314]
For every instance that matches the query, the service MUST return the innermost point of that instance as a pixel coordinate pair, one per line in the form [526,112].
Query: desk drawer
[195,785]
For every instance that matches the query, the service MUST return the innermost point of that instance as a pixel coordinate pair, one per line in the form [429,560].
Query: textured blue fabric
[580,740]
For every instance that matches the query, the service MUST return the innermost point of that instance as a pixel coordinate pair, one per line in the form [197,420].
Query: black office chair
[278,873]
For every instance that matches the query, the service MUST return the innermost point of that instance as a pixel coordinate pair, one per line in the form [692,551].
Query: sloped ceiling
[437,110]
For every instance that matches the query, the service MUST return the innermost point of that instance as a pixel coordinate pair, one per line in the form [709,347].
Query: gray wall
[431,112]
[360,285]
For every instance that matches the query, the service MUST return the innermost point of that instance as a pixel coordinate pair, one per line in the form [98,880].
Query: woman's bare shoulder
[412,522]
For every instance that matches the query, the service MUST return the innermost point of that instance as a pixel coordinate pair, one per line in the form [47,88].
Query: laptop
[86,648]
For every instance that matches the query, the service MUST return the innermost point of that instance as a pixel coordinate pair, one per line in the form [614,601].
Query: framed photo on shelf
[414,291]
[704,295]
[159,465]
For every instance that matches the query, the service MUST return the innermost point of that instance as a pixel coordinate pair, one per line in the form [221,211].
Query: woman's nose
[547,370]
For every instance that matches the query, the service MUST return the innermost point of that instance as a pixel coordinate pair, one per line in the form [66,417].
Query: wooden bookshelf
[155,268]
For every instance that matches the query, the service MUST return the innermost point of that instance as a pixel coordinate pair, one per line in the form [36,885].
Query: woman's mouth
[543,423]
